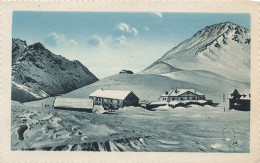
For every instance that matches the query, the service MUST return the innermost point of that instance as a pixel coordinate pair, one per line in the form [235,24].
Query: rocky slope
[221,48]
[38,73]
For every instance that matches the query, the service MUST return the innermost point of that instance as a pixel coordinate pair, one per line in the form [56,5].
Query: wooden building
[239,102]
[181,95]
[75,104]
[155,104]
[174,104]
[118,98]
[126,72]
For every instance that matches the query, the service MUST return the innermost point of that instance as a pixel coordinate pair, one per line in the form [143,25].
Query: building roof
[174,102]
[113,94]
[179,92]
[245,98]
[158,103]
[187,101]
[79,103]
[241,98]
[238,96]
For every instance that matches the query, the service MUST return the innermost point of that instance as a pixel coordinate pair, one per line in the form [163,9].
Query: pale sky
[106,42]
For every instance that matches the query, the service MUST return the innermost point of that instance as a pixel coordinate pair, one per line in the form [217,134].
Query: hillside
[152,86]
[215,61]
[38,73]
[222,48]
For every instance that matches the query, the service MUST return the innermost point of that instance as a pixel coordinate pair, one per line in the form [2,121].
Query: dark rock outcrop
[38,73]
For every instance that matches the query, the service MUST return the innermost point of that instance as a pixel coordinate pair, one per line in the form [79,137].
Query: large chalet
[181,95]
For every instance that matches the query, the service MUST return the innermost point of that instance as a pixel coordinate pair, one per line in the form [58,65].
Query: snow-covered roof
[174,102]
[79,103]
[245,98]
[179,92]
[241,97]
[158,103]
[187,101]
[113,94]
[202,101]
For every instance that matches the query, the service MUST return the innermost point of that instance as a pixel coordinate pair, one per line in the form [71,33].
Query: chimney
[249,95]
[166,93]
[176,91]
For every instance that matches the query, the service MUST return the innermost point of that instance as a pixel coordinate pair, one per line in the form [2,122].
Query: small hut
[75,104]
[155,104]
[239,102]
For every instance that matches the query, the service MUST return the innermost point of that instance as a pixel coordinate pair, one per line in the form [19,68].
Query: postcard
[128,81]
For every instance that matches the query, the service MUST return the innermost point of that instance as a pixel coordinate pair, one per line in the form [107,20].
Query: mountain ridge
[210,46]
[38,73]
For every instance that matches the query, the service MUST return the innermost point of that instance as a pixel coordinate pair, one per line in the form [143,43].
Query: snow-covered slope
[215,61]
[221,48]
[151,86]
[38,73]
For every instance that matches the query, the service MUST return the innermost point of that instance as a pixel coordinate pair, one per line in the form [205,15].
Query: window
[193,98]
[181,98]
[173,99]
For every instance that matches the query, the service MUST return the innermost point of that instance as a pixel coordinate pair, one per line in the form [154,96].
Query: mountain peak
[38,73]
[211,49]
[37,46]
[227,24]
[19,41]
[220,28]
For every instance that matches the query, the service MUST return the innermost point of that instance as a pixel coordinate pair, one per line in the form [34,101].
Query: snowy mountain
[215,61]
[38,73]
[221,48]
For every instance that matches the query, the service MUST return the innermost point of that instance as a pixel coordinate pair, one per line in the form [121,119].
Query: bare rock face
[38,73]
[220,48]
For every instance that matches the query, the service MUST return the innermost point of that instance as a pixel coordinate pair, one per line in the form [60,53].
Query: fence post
[224,101]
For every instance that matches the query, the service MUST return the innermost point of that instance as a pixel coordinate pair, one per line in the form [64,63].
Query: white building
[181,95]
[117,97]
